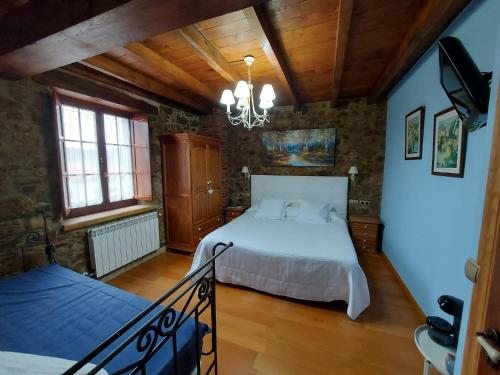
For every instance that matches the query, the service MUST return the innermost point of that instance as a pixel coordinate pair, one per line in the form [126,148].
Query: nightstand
[365,232]
[232,212]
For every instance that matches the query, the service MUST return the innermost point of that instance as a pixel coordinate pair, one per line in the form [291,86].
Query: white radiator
[118,243]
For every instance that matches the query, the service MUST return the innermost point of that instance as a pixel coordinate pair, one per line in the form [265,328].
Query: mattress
[52,311]
[315,262]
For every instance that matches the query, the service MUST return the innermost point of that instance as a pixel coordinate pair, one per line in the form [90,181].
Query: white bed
[315,262]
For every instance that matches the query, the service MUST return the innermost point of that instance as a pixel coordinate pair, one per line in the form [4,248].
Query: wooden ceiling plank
[263,31]
[70,82]
[77,30]
[124,73]
[430,22]
[208,52]
[171,71]
[343,27]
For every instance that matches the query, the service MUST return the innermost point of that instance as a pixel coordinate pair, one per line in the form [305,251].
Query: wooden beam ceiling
[263,31]
[72,83]
[208,52]
[110,67]
[44,35]
[429,23]
[343,27]
[171,71]
[106,79]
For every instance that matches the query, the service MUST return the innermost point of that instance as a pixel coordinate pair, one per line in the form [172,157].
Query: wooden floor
[263,334]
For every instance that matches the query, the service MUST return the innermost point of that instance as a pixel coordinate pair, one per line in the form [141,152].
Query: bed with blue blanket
[55,312]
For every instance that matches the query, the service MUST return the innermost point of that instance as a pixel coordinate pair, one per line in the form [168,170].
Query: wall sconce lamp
[353,172]
[245,172]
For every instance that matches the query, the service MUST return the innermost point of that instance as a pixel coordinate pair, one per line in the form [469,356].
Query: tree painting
[299,148]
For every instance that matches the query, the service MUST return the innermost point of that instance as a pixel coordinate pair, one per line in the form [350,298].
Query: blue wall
[432,223]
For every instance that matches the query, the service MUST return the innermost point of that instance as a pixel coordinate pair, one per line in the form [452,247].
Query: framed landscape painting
[414,134]
[299,148]
[450,140]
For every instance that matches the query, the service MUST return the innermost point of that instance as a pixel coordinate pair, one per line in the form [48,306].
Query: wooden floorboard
[263,334]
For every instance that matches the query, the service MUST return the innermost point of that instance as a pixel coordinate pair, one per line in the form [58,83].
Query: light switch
[471,270]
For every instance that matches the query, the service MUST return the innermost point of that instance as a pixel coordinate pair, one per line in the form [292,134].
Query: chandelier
[246,114]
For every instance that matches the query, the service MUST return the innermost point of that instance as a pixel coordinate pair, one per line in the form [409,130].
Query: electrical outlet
[364,203]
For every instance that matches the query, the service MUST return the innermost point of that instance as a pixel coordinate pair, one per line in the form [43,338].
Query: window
[104,158]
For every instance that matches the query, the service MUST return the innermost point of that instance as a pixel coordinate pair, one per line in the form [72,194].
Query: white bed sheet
[315,262]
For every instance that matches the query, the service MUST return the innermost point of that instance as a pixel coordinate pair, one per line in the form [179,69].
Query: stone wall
[360,142]
[30,177]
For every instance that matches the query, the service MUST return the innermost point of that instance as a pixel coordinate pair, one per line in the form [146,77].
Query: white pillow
[313,212]
[334,216]
[271,208]
[293,209]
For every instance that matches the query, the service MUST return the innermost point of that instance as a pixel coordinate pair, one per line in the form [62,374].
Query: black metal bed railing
[199,290]
[33,238]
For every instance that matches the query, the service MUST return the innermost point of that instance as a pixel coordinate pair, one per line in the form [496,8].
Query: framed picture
[450,141]
[414,134]
[299,148]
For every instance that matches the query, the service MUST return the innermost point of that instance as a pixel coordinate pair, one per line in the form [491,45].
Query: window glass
[98,166]
[81,172]
[88,126]
[71,124]
[119,158]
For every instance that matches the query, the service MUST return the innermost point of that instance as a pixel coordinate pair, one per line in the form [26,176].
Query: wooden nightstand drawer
[364,227]
[366,244]
[364,233]
[232,214]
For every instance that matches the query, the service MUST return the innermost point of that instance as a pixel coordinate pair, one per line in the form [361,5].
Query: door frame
[488,254]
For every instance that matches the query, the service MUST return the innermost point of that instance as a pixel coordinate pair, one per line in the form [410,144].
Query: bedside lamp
[245,172]
[353,172]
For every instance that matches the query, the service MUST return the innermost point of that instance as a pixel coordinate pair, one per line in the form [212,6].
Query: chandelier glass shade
[246,114]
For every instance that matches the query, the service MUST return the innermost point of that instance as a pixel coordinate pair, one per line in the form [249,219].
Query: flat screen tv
[467,88]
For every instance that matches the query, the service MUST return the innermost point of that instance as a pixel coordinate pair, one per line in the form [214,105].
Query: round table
[434,354]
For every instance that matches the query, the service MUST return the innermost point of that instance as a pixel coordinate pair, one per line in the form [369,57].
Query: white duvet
[315,262]
[14,363]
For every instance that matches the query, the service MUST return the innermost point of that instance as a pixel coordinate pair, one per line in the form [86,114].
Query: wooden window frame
[100,111]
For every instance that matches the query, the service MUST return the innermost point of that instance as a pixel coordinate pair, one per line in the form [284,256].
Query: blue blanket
[53,311]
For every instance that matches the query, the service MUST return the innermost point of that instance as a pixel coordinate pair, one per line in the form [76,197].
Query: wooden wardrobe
[192,188]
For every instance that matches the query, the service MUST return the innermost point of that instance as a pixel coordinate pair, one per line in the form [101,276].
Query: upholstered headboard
[291,188]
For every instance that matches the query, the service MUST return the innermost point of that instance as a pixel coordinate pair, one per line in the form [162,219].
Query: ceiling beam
[74,84]
[44,35]
[429,23]
[98,76]
[171,71]
[343,27]
[208,52]
[263,31]
[114,69]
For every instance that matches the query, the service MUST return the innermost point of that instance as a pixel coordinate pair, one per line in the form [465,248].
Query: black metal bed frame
[199,288]
[151,336]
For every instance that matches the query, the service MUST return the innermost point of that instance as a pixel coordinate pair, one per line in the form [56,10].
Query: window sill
[105,217]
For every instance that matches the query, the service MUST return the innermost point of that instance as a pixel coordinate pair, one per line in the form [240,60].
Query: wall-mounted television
[466,87]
